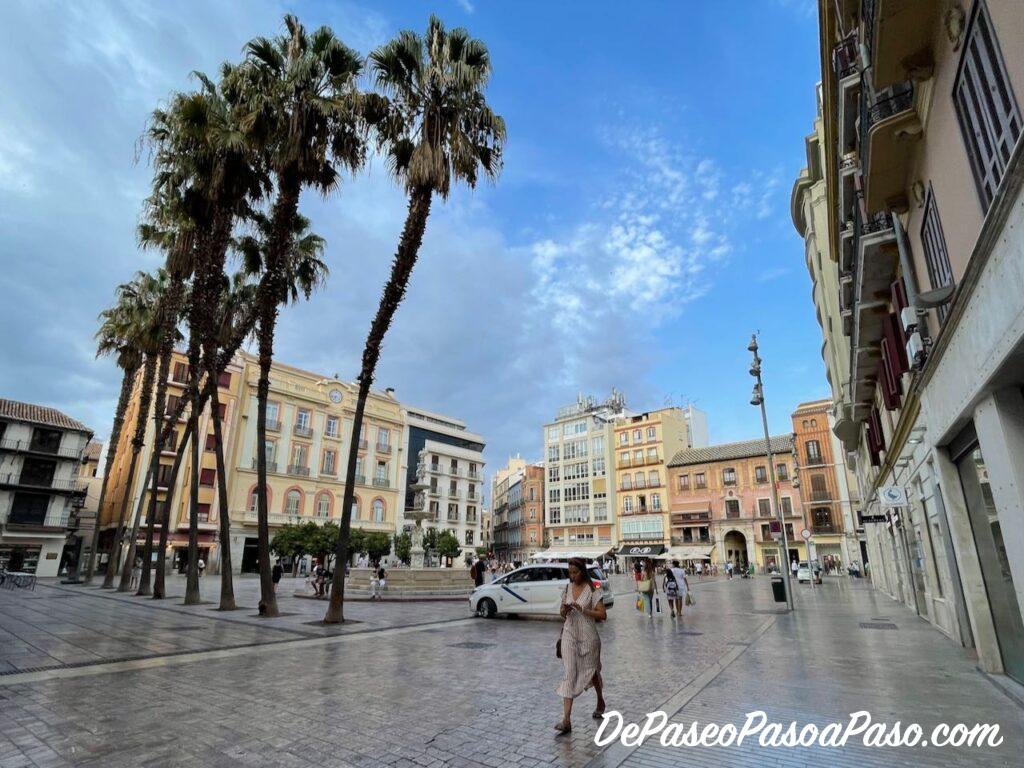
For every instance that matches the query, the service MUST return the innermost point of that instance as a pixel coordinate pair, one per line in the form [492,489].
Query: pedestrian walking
[728,568]
[378,581]
[682,588]
[276,573]
[671,588]
[699,567]
[136,572]
[477,571]
[579,644]
[647,586]
[794,567]
[202,566]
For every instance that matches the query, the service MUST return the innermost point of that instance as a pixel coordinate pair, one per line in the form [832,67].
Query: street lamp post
[757,398]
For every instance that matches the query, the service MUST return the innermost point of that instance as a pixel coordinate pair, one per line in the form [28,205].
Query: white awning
[564,553]
[690,552]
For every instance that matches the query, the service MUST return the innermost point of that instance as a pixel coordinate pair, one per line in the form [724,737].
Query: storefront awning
[564,553]
[691,552]
[641,550]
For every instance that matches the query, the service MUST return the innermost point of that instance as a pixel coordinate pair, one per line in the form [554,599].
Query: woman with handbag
[647,587]
[682,590]
[579,645]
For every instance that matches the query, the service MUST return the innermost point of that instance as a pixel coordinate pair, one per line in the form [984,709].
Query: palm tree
[436,127]
[303,109]
[121,329]
[143,298]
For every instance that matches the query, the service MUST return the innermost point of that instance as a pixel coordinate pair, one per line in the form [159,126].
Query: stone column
[962,537]
[999,422]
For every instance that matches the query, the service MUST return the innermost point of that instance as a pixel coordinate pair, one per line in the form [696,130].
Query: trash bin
[779,589]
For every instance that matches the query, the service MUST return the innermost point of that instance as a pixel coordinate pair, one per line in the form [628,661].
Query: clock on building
[335,395]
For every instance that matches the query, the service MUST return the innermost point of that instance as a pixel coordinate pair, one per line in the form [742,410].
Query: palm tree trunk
[266,352]
[268,296]
[394,291]
[138,441]
[159,580]
[192,596]
[127,384]
[227,589]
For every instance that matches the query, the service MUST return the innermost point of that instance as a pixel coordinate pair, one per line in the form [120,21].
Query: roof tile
[725,451]
[39,414]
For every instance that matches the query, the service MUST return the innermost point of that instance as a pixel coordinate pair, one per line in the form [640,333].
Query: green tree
[448,545]
[435,127]
[377,546]
[302,108]
[403,546]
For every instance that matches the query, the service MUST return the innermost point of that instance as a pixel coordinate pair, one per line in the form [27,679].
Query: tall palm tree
[436,128]
[121,333]
[145,294]
[303,109]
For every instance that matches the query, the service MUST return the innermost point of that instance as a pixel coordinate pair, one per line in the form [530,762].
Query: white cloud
[466,5]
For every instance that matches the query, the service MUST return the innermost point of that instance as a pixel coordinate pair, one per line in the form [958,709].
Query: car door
[516,592]
[554,587]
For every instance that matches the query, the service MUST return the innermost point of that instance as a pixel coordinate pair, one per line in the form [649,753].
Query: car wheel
[487,608]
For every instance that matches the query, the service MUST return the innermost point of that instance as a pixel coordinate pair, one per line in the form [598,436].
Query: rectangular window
[760,474]
[627,504]
[598,467]
[224,380]
[638,435]
[211,443]
[180,374]
[222,409]
[700,481]
[553,473]
[623,438]
[732,508]
[787,506]
[203,513]
[300,454]
[684,482]
[656,501]
[330,457]
[782,471]
[552,453]
[813,452]
[729,476]
[302,420]
[764,507]
[207,477]
[652,434]
[986,107]
[331,427]
[936,256]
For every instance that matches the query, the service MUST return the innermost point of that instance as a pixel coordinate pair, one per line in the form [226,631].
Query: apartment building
[921,158]
[720,504]
[824,485]
[173,500]
[643,443]
[579,504]
[531,536]
[41,452]
[309,426]
[445,456]
[502,483]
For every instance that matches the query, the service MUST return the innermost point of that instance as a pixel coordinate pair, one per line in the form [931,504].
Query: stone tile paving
[422,697]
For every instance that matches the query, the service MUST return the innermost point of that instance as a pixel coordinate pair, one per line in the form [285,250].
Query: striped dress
[581,646]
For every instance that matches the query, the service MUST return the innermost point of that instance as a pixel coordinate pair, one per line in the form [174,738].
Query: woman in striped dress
[582,608]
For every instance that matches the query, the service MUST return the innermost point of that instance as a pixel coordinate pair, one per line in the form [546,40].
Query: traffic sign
[805,534]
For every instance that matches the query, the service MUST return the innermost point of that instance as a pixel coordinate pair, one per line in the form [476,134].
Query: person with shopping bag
[647,587]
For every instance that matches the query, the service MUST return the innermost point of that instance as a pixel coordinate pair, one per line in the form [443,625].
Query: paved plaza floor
[92,678]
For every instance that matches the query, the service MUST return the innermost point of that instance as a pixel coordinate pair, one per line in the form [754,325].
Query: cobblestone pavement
[421,684]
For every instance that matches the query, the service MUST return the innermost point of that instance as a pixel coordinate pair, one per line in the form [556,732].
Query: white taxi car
[533,589]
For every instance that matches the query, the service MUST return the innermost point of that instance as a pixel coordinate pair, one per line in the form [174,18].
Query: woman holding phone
[579,643]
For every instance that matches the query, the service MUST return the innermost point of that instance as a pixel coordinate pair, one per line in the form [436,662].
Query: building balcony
[273,425]
[298,470]
[382,448]
[826,528]
[474,475]
[271,465]
[381,482]
[19,521]
[360,479]
[27,482]
[300,431]
[898,35]
[453,518]
[40,448]
[680,541]
[363,445]
[273,518]
[889,125]
[681,518]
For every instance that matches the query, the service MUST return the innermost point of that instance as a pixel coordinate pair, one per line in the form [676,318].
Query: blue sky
[639,233]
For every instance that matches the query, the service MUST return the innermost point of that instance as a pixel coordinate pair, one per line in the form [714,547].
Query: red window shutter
[224,380]
[207,476]
[211,442]
[222,408]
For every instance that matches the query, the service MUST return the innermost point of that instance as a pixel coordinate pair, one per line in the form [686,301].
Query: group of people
[674,585]
[482,571]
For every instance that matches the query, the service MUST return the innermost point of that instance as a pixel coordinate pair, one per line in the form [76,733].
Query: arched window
[293,502]
[378,511]
[254,496]
[355,508]
[323,504]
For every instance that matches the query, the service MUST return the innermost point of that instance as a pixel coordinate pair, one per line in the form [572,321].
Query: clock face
[335,395]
